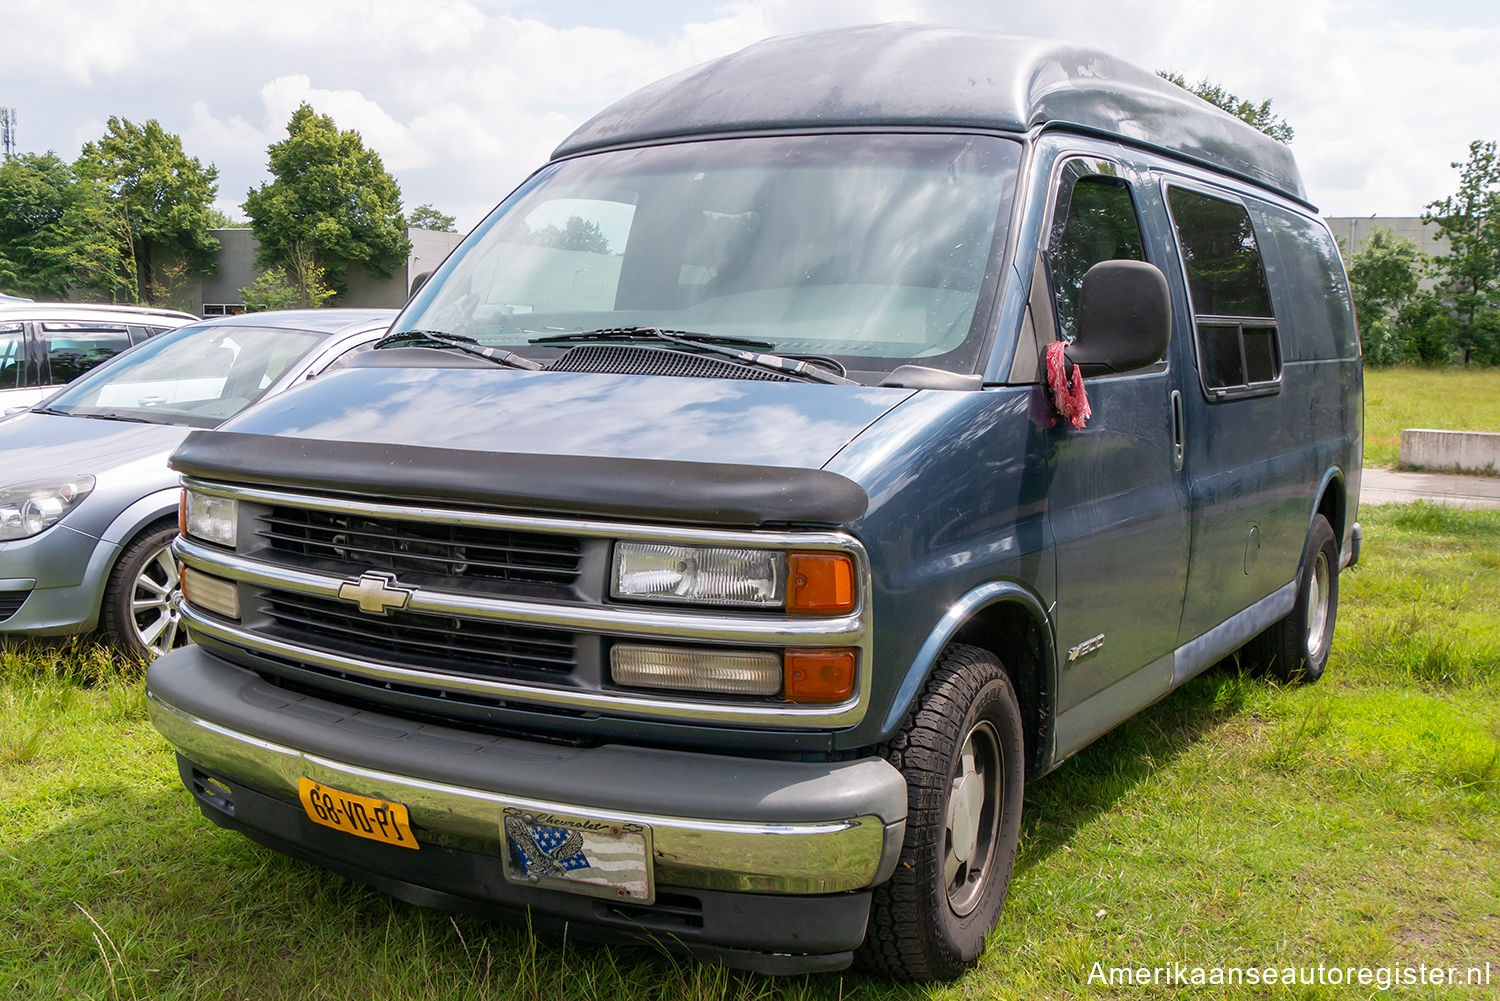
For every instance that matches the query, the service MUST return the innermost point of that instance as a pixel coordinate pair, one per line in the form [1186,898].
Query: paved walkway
[1383,486]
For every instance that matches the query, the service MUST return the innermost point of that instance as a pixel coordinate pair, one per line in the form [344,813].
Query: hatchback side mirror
[1124,318]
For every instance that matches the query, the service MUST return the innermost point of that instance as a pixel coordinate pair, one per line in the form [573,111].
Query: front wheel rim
[155,621]
[1318,600]
[972,830]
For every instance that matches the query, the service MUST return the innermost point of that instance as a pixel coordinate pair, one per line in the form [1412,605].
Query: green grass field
[1355,822]
[1451,399]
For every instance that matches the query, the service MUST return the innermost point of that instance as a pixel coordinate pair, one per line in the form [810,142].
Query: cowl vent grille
[627,359]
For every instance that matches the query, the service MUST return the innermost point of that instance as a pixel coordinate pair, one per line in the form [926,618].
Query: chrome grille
[473,646]
[423,547]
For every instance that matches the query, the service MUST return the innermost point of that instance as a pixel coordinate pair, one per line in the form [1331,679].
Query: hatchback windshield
[877,250]
[195,375]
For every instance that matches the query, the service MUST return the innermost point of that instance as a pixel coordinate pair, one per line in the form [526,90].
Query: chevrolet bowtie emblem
[376,593]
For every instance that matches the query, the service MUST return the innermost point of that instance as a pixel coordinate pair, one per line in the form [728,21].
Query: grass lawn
[1355,822]
[1451,399]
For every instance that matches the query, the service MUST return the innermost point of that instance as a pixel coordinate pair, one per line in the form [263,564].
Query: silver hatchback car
[88,506]
[45,345]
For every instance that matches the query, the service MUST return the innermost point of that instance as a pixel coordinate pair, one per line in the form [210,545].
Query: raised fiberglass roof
[915,75]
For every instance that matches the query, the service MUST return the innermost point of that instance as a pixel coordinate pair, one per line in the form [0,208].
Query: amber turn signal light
[182,513]
[818,675]
[819,583]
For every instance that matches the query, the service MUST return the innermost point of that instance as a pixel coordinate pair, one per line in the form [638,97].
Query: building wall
[1353,231]
[220,292]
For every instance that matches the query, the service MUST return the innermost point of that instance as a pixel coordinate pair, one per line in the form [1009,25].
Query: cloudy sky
[463,98]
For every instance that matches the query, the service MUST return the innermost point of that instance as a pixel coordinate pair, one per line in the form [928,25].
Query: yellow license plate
[360,816]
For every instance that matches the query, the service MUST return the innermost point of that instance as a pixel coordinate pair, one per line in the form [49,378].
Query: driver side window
[1094,220]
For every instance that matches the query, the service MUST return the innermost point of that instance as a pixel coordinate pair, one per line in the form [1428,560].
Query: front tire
[962,754]
[141,599]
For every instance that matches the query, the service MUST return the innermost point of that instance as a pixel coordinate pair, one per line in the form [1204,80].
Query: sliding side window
[1239,352]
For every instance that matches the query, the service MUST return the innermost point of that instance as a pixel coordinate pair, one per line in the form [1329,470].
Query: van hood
[778,424]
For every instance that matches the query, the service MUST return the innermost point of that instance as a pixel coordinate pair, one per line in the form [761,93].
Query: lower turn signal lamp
[820,675]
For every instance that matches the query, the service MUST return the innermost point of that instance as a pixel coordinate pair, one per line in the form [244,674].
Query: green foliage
[1383,277]
[281,287]
[1469,274]
[329,196]
[163,195]
[218,219]
[60,231]
[427,217]
[1257,115]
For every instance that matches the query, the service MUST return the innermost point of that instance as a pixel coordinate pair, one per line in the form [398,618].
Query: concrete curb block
[1462,451]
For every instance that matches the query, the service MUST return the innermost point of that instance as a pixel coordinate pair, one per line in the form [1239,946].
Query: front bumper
[733,837]
[60,575]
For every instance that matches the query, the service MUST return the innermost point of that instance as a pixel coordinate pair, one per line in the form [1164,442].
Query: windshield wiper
[108,415]
[727,347]
[458,342]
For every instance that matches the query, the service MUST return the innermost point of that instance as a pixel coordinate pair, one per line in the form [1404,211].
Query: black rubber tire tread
[912,933]
[115,618]
[1281,651]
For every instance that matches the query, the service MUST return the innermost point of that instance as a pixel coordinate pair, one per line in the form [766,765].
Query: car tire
[1296,648]
[141,599]
[962,754]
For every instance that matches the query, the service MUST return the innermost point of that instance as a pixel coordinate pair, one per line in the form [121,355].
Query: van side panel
[958,484]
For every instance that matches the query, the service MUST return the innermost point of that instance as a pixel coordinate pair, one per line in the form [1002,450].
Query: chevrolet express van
[827,441]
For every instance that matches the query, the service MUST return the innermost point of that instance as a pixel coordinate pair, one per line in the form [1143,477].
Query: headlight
[212,519]
[699,574]
[28,509]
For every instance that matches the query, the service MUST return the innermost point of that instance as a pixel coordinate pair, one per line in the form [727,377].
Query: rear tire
[962,753]
[140,601]
[1296,648]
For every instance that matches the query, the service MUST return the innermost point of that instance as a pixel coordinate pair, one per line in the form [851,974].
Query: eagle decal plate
[593,857]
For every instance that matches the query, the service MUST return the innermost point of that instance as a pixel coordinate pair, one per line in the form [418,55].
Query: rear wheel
[140,601]
[1296,648]
[961,752]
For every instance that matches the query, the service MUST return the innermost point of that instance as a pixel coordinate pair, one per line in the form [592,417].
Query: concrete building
[219,293]
[1353,231]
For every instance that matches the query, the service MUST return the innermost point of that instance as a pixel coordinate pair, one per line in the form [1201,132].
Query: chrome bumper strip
[799,858]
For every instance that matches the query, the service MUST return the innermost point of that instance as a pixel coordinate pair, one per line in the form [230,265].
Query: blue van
[827,441]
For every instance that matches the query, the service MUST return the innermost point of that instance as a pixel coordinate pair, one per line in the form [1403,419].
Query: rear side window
[74,348]
[1308,282]
[12,356]
[1239,350]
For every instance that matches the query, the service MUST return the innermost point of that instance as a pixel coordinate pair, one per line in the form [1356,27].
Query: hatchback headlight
[28,509]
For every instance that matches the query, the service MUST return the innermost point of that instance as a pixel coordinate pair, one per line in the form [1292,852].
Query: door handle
[1179,429]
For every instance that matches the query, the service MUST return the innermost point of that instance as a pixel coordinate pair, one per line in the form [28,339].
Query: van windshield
[875,250]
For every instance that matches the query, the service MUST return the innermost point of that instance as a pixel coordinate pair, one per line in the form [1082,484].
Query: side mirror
[1124,318]
[417,283]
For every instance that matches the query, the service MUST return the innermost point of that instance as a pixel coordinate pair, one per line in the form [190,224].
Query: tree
[219,219]
[164,195]
[281,288]
[59,231]
[1258,115]
[577,233]
[1383,278]
[1469,274]
[330,199]
[426,217]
